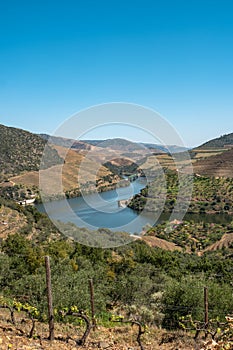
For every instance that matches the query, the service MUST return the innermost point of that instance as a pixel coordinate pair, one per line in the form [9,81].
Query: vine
[73,311]
[13,306]
[141,328]
[221,332]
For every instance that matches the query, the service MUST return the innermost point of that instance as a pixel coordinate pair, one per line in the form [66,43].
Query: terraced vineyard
[209,195]
[195,237]
[218,163]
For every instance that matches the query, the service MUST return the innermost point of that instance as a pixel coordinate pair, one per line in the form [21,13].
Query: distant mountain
[219,142]
[22,151]
[122,144]
[64,142]
[117,144]
[165,149]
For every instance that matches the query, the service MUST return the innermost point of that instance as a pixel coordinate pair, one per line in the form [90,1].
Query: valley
[156,277]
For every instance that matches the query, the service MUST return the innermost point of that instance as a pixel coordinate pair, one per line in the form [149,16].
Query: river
[101,210]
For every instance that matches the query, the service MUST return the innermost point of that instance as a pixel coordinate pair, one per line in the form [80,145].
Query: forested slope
[22,151]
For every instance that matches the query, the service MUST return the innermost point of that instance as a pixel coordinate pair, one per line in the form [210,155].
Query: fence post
[91,286]
[49,298]
[206,310]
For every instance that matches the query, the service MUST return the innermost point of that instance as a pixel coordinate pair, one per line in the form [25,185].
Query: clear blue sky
[58,57]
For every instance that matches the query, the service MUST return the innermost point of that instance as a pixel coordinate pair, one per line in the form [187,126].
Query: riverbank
[77,193]
[100,210]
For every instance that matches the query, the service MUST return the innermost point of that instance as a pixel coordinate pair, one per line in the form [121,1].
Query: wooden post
[49,297]
[92,303]
[206,310]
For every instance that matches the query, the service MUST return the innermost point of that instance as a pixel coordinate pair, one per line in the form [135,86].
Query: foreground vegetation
[153,285]
[134,281]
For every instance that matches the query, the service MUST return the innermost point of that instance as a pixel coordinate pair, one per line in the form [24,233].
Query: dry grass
[71,177]
[30,178]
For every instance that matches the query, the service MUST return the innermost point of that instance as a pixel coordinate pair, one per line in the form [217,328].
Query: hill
[118,144]
[225,242]
[115,143]
[113,153]
[136,281]
[64,142]
[20,162]
[210,195]
[126,145]
[103,180]
[192,237]
[214,157]
[219,142]
[220,164]
[165,149]
[22,151]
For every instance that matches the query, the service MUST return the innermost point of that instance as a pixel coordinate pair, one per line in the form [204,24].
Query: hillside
[113,153]
[219,142]
[116,144]
[70,175]
[64,142]
[20,162]
[224,243]
[209,195]
[156,242]
[214,157]
[193,237]
[22,151]
[11,221]
[218,164]
[136,281]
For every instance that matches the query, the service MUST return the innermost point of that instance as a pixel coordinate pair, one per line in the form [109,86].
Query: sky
[175,57]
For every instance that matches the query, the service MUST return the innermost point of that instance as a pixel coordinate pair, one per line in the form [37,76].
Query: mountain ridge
[21,151]
[222,141]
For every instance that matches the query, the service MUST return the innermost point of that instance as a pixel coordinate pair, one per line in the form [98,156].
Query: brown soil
[115,338]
